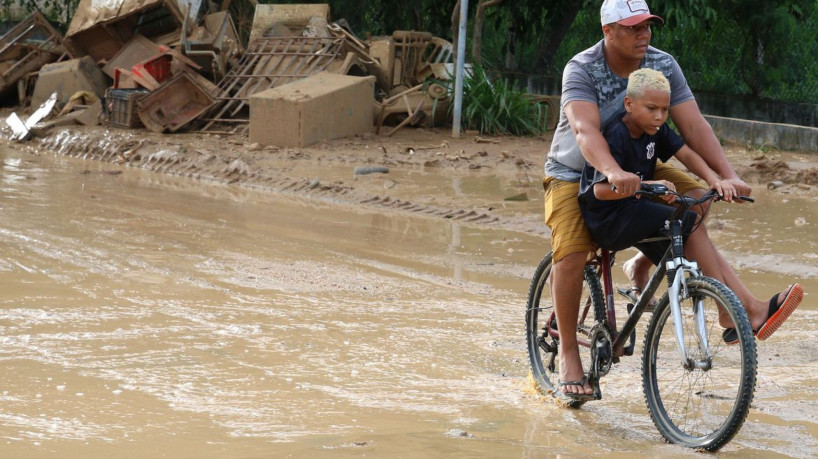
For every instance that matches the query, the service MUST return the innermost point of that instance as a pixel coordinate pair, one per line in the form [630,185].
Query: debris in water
[371,170]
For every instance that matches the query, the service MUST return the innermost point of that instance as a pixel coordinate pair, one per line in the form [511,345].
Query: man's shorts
[568,231]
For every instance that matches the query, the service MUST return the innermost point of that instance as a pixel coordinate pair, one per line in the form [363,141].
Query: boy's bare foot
[637,269]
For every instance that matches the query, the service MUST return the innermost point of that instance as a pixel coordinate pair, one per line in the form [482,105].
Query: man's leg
[571,243]
[566,292]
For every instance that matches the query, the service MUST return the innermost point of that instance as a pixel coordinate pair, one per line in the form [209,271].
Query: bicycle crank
[601,351]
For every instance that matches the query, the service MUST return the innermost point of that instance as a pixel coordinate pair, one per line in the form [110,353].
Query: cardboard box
[320,107]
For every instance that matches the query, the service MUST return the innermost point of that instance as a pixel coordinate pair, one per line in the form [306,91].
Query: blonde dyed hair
[646,79]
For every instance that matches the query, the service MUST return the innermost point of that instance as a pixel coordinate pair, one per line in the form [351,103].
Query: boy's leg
[700,248]
[571,243]
[637,269]
[705,253]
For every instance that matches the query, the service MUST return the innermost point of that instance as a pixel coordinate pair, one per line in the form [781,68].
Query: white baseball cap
[626,12]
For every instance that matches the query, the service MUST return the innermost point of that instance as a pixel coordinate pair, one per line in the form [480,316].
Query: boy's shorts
[568,231]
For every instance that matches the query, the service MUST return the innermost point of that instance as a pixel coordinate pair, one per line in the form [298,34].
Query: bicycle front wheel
[699,401]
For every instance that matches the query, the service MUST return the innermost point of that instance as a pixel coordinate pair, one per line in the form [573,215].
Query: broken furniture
[153,71]
[176,103]
[321,107]
[136,50]
[286,20]
[424,102]
[280,51]
[213,45]
[67,78]
[405,56]
[412,61]
[21,130]
[437,52]
[25,48]
[101,28]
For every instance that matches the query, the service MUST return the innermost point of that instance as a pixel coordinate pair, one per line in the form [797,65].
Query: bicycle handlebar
[655,189]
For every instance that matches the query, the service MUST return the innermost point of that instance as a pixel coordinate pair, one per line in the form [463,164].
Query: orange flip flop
[775,317]
[778,314]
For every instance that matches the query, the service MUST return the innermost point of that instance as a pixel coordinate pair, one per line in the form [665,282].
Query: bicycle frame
[678,287]
[621,337]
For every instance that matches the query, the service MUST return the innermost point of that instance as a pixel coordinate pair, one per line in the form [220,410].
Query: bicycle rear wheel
[702,402]
[541,322]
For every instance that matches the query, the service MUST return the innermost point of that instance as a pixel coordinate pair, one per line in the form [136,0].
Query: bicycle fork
[677,269]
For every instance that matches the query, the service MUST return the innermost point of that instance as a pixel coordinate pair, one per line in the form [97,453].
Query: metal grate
[267,63]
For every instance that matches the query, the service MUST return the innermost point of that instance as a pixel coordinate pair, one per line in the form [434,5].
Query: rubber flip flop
[573,396]
[730,336]
[776,315]
[779,314]
[633,295]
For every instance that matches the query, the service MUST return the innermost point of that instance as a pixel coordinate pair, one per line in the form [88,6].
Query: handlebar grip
[653,188]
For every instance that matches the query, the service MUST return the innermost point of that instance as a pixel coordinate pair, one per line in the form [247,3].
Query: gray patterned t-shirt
[587,77]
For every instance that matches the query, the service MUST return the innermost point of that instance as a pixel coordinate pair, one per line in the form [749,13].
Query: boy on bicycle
[637,139]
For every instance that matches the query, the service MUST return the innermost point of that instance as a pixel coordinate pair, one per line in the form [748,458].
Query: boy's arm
[698,166]
[603,192]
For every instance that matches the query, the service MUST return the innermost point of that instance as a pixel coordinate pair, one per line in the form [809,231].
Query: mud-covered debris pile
[177,65]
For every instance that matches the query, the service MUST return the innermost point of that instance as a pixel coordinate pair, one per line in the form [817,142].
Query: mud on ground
[409,172]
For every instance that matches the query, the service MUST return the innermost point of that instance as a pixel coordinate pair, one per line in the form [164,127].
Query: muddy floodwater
[143,315]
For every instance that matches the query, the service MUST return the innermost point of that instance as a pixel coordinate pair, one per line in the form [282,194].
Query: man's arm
[696,164]
[698,134]
[585,122]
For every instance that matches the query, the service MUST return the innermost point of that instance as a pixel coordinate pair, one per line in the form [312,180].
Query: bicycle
[698,388]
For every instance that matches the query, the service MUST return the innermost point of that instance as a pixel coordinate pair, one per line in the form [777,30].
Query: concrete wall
[757,133]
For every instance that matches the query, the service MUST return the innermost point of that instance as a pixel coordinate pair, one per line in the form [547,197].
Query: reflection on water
[142,315]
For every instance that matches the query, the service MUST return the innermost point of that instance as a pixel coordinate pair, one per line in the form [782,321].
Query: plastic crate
[155,70]
[121,107]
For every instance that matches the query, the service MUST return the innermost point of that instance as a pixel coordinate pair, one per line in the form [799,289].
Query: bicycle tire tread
[749,365]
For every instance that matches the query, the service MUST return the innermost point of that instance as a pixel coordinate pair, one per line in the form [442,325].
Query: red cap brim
[633,20]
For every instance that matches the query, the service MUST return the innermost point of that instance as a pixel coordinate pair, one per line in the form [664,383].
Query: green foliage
[692,14]
[496,107]
[58,11]
[737,47]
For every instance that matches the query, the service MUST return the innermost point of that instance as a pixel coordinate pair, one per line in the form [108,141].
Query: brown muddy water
[149,316]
